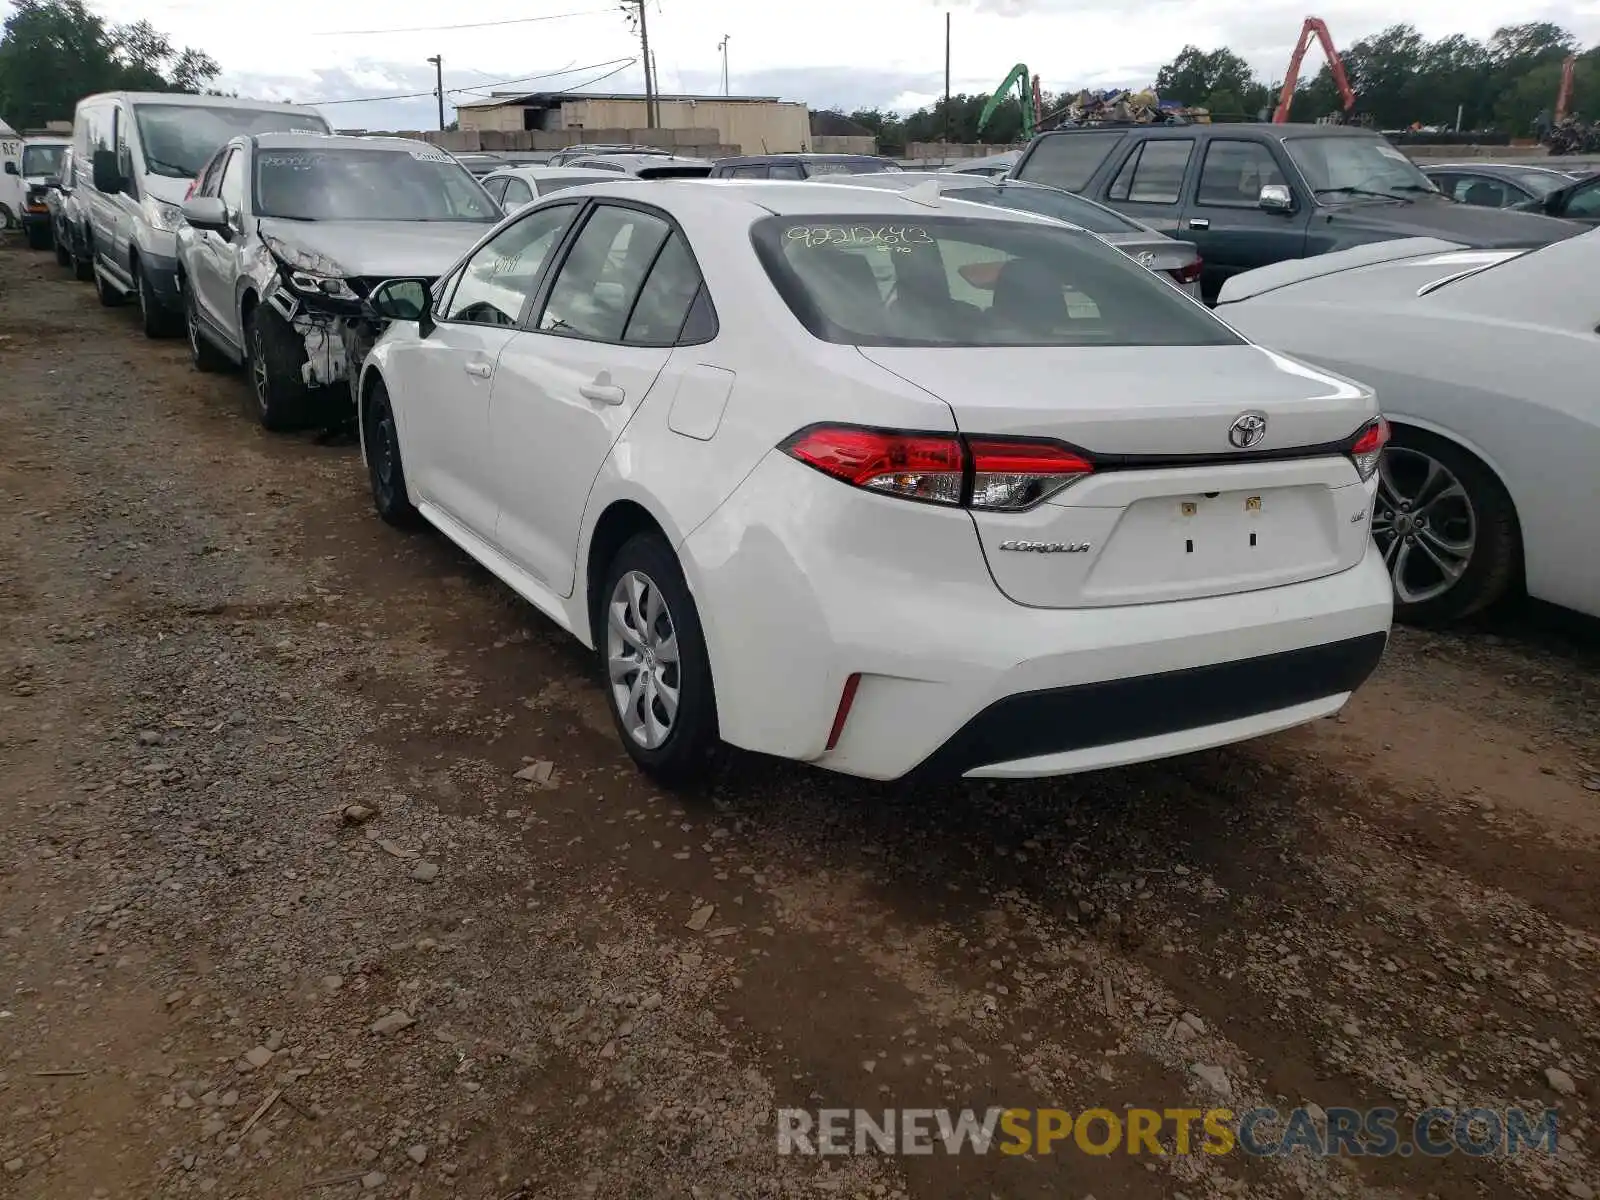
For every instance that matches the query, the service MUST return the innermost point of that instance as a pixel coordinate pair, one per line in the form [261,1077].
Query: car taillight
[978,472]
[1188,273]
[1367,449]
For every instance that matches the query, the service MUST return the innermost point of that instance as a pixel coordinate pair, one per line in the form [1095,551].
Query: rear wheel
[105,291]
[385,469]
[158,321]
[39,237]
[658,678]
[274,355]
[204,355]
[83,264]
[1446,527]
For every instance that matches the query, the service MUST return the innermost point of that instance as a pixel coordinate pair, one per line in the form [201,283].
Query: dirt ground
[217,984]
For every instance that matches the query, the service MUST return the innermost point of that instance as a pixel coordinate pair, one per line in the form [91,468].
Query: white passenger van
[136,155]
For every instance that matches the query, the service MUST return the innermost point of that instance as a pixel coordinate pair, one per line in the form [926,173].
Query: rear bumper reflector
[846,699]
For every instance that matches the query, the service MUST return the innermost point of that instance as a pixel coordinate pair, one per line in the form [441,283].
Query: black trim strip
[1059,720]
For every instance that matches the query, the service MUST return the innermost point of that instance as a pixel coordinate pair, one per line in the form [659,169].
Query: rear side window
[748,173]
[664,301]
[496,187]
[1153,173]
[1234,172]
[1068,160]
[952,281]
[594,291]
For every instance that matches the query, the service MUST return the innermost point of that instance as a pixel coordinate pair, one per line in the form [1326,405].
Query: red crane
[1314,26]
[1564,96]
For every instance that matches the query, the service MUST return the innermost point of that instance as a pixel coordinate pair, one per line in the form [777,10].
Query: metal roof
[505,99]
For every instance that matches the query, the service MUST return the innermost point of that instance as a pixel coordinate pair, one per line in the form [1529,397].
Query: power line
[588,12]
[625,64]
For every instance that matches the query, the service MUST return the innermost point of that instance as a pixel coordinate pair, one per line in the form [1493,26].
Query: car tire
[83,264]
[1437,501]
[63,252]
[39,237]
[380,440]
[675,745]
[157,321]
[202,353]
[273,357]
[105,291]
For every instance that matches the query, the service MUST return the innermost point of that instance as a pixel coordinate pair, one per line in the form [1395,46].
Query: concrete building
[753,124]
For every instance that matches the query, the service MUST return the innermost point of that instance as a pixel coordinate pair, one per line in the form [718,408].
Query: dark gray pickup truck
[1248,195]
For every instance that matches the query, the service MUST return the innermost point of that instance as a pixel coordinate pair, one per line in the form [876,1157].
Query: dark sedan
[1495,185]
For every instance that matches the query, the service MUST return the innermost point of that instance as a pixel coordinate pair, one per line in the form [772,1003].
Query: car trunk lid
[1175,508]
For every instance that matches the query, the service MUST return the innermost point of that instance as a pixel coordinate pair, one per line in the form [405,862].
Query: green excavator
[1026,88]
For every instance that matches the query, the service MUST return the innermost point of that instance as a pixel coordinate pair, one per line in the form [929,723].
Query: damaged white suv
[283,236]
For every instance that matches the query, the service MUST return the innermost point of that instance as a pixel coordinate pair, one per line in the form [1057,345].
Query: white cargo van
[136,155]
[11,187]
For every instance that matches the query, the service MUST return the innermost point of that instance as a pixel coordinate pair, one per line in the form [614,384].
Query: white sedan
[883,483]
[1486,362]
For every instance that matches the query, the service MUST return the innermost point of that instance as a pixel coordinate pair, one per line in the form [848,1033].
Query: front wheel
[105,291]
[158,322]
[63,254]
[658,677]
[1447,529]
[385,469]
[204,355]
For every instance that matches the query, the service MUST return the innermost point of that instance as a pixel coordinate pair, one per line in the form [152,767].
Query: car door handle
[602,391]
[1199,223]
[479,370]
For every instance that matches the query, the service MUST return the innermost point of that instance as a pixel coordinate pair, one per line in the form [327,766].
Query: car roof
[751,198]
[1494,168]
[1225,129]
[539,171]
[651,160]
[799,156]
[47,140]
[299,139]
[191,100]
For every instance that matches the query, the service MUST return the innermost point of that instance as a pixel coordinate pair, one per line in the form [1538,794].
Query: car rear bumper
[803,583]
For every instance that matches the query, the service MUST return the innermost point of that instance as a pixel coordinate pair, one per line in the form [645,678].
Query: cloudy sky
[846,53]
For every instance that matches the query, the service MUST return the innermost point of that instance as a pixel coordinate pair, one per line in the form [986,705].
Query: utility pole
[438,75]
[947,82]
[723,46]
[649,68]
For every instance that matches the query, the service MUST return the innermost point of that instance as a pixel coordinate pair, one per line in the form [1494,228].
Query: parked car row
[891,475]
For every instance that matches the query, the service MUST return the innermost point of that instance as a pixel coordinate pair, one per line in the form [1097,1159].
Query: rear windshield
[847,166]
[962,281]
[1542,183]
[369,185]
[179,139]
[41,160]
[1067,160]
[1048,202]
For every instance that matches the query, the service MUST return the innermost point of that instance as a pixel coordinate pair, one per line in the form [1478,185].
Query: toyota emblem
[1247,430]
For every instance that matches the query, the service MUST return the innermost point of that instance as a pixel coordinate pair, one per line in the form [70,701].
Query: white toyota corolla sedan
[883,482]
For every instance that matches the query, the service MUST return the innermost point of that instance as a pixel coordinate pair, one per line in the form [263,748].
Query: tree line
[55,52]
[1399,77]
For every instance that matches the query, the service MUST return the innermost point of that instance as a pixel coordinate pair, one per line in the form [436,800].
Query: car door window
[497,281]
[231,189]
[517,192]
[669,290]
[1482,192]
[748,173]
[596,286]
[1068,160]
[787,171]
[1585,202]
[1234,172]
[496,187]
[1153,173]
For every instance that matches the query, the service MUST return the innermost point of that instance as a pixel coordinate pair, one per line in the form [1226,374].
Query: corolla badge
[1046,547]
[1247,430]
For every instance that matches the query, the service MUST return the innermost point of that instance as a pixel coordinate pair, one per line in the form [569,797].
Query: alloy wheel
[1424,523]
[193,323]
[387,452]
[642,659]
[258,366]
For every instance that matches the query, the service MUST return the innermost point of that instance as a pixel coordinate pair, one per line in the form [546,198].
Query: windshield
[1048,202]
[179,139]
[964,281]
[1356,165]
[41,160]
[846,166]
[369,185]
[1540,183]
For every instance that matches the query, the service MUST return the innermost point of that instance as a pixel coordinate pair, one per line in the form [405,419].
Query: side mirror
[107,176]
[1275,198]
[11,169]
[207,213]
[402,300]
